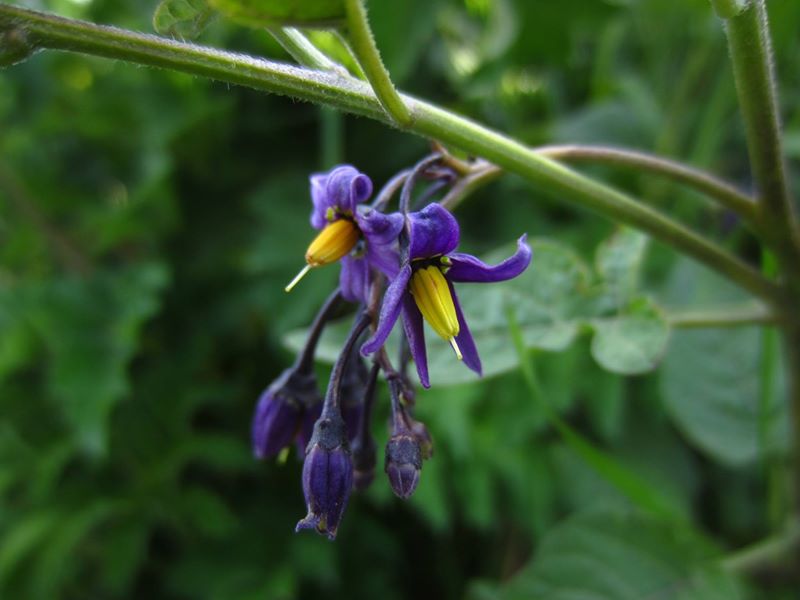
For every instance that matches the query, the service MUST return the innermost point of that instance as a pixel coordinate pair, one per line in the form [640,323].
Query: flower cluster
[393,265]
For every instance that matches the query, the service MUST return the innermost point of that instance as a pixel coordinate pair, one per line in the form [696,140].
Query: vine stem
[300,48]
[751,56]
[50,31]
[363,44]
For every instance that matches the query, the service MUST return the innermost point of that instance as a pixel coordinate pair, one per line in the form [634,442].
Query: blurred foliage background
[149,221]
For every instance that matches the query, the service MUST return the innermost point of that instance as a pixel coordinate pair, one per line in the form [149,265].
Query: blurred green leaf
[710,377]
[633,341]
[602,555]
[184,19]
[306,13]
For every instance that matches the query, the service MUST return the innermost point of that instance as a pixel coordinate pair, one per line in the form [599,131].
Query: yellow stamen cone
[335,241]
[432,296]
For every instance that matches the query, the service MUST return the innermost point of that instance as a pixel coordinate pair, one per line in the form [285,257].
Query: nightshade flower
[423,288]
[359,236]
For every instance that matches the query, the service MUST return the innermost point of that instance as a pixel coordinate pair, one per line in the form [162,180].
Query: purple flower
[423,287]
[327,477]
[281,410]
[355,234]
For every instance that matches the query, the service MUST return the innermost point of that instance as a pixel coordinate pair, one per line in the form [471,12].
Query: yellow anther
[332,243]
[432,295]
[335,241]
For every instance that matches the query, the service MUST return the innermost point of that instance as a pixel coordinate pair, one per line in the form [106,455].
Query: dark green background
[149,221]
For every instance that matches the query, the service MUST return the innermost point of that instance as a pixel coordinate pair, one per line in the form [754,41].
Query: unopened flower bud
[403,463]
[280,410]
[423,437]
[327,476]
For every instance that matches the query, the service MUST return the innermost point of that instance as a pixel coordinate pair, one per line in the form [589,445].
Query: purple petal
[354,279]
[377,227]
[384,258]
[415,332]
[390,311]
[341,189]
[464,339]
[433,232]
[467,268]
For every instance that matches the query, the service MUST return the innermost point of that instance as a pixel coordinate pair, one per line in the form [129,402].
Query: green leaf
[618,261]
[305,13]
[185,19]
[710,379]
[632,342]
[710,385]
[603,555]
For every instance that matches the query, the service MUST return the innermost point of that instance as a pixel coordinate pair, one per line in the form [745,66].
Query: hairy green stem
[49,31]
[726,9]
[363,44]
[751,57]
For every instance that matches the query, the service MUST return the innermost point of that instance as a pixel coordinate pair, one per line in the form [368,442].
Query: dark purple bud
[280,410]
[363,452]
[403,463]
[327,476]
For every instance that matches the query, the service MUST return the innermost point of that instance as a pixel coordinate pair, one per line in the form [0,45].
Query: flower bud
[280,410]
[403,463]
[423,437]
[327,476]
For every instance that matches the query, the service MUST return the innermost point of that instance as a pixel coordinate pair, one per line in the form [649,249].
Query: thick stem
[751,57]
[363,45]
[48,31]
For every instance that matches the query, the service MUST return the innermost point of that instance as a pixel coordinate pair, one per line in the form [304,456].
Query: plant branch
[751,57]
[49,31]
[765,552]
[723,317]
[303,51]
[724,193]
[363,44]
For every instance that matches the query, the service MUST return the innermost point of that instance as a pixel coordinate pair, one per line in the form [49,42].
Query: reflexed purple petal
[433,231]
[320,200]
[390,311]
[415,332]
[464,339]
[354,279]
[342,188]
[377,227]
[467,268]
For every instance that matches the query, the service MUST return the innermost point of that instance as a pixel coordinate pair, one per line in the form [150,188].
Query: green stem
[726,9]
[724,193]
[751,57]
[49,31]
[766,552]
[363,44]
[300,48]
[723,317]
